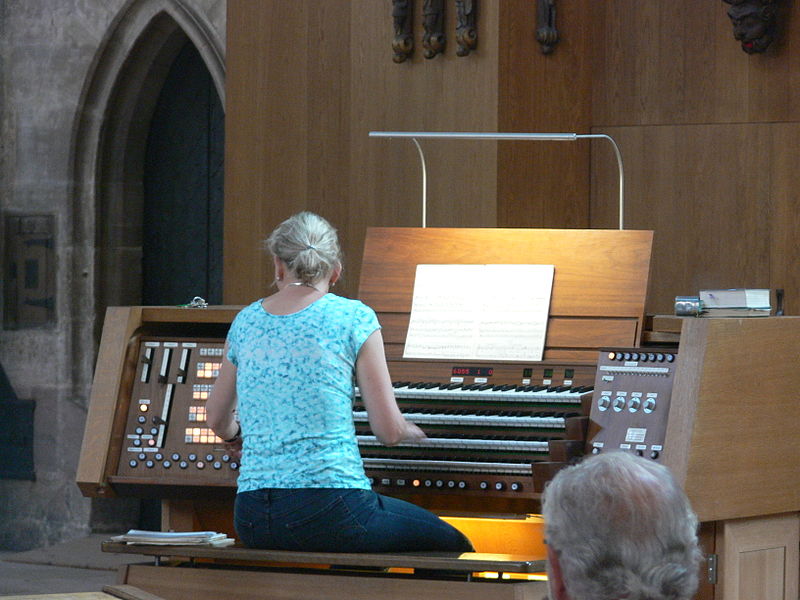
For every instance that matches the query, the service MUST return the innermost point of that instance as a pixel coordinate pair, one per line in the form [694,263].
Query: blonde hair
[308,245]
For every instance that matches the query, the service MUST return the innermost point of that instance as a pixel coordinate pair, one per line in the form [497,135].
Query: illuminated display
[200,435]
[200,391]
[210,351]
[208,370]
[473,371]
[197,413]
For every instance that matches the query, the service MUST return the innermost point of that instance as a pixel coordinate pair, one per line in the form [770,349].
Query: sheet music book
[174,538]
[479,312]
[737,302]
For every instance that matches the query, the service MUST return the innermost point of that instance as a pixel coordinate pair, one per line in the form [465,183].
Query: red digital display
[472,371]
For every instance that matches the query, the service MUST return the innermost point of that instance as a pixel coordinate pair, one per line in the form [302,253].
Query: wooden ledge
[467,562]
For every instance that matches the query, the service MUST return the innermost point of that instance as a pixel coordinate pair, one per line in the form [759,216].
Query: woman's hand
[235,448]
[413,433]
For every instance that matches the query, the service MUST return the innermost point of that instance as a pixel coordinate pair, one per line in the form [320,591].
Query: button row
[619,403]
[514,486]
[654,453]
[642,356]
[175,459]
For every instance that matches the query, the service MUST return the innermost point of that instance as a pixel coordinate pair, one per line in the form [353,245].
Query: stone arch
[108,140]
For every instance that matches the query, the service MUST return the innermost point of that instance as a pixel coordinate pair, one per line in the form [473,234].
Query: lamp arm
[463,135]
[621,172]
[424,182]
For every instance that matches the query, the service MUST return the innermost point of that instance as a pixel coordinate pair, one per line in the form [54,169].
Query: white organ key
[466,443]
[449,465]
[512,395]
[485,420]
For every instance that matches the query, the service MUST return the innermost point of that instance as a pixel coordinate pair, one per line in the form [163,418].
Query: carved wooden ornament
[466,27]
[546,32]
[433,40]
[754,23]
[402,17]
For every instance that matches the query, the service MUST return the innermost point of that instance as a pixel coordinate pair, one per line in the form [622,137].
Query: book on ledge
[175,538]
[738,302]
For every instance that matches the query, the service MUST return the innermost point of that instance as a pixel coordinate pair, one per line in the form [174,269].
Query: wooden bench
[202,572]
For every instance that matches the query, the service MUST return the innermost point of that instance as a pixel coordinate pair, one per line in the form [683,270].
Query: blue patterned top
[294,383]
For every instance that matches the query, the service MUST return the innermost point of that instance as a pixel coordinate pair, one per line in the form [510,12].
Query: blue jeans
[340,520]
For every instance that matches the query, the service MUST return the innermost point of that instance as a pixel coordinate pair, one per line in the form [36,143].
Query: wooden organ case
[720,391]
[500,430]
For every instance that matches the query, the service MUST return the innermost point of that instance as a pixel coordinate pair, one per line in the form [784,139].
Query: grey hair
[308,244]
[622,528]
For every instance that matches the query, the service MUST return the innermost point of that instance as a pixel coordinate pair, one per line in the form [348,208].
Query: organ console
[711,400]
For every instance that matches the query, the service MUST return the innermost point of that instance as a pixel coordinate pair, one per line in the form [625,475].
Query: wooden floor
[116,592]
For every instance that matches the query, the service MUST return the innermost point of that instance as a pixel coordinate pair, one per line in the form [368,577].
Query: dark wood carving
[546,32]
[754,23]
[433,40]
[403,42]
[466,26]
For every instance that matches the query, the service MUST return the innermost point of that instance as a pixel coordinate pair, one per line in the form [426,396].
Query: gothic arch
[108,141]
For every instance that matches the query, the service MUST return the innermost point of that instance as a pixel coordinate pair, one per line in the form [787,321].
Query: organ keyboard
[492,425]
[482,437]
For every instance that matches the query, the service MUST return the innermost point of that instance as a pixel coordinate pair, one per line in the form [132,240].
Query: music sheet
[479,312]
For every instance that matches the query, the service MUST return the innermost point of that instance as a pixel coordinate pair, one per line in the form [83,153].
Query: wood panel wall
[545,184]
[307,80]
[709,140]
[707,133]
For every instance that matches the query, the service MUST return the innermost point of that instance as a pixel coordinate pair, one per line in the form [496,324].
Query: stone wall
[50,55]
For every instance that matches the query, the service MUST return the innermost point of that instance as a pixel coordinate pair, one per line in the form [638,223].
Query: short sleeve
[365,322]
[233,340]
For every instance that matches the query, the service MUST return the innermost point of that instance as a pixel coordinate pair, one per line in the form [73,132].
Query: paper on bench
[175,538]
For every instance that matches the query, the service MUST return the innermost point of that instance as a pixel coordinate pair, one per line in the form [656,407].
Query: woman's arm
[221,403]
[372,375]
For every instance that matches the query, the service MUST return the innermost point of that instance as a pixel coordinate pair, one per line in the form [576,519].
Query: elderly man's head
[618,526]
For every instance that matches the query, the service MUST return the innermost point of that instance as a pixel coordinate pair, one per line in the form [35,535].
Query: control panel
[166,437]
[630,406]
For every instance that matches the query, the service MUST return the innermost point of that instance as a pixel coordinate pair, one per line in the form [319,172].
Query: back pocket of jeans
[328,528]
[245,530]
